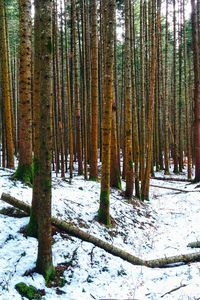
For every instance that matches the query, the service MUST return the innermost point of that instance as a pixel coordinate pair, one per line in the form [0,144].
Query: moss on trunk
[103,213]
[46,269]
[24,173]
[93,178]
[32,229]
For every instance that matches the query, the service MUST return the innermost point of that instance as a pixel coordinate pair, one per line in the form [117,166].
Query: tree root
[78,233]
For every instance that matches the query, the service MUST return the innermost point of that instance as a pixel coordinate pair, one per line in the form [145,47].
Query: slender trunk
[109,17]
[146,182]
[128,105]
[76,91]
[24,170]
[94,92]
[6,87]
[44,263]
[195,42]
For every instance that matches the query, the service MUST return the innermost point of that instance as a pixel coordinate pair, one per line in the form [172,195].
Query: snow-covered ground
[162,227]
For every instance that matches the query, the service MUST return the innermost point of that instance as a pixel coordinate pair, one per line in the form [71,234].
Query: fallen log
[78,233]
[194,244]
[172,179]
[174,189]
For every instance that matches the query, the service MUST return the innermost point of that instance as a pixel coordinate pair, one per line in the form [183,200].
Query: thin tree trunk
[109,17]
[166,102]
[196,57]
[6,87]
[187,104]
[24,170]
[146,181]
[176,143]
[128,105]
[33,222]
[44,263]
[94,92]
[76,91]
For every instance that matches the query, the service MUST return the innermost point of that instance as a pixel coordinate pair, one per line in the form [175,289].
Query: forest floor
[161,227]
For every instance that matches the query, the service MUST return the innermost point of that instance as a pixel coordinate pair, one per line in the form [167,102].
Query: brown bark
[44,263]
[69,101]
[142,94]
[196,57]
[166,104]
[76,91]
[60,125]
[187,102]
[145,182]
[136,148]
[94,92]
[6,87]
[128,105]
[115,180]
[33,223]
[174,85]
[24,170]
[85,90]
[109,17]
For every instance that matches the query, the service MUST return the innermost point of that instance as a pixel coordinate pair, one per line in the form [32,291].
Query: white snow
[162,227]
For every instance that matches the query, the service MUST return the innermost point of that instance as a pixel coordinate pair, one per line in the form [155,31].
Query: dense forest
[106,90]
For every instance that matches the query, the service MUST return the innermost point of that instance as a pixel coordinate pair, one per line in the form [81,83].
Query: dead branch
[78,233]
[174,290]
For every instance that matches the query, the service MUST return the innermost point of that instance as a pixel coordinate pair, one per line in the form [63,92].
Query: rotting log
[78,233]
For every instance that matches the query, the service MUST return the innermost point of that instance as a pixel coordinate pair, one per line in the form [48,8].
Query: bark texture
[44,263]
[24,170]
[6,87]
[195,42]
[94,92]
[33,223]
[128,105]
[109,11]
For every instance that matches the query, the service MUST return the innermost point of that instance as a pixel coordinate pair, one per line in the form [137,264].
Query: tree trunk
[76,91]
[146,181]
[128,105]
[142,95]
[33,222]
[44,263]
[175,106]
[94,92]
[166,102]
[109,17]
[196,57]
[6,87]
[69,100]
[187,103]
[24,170]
